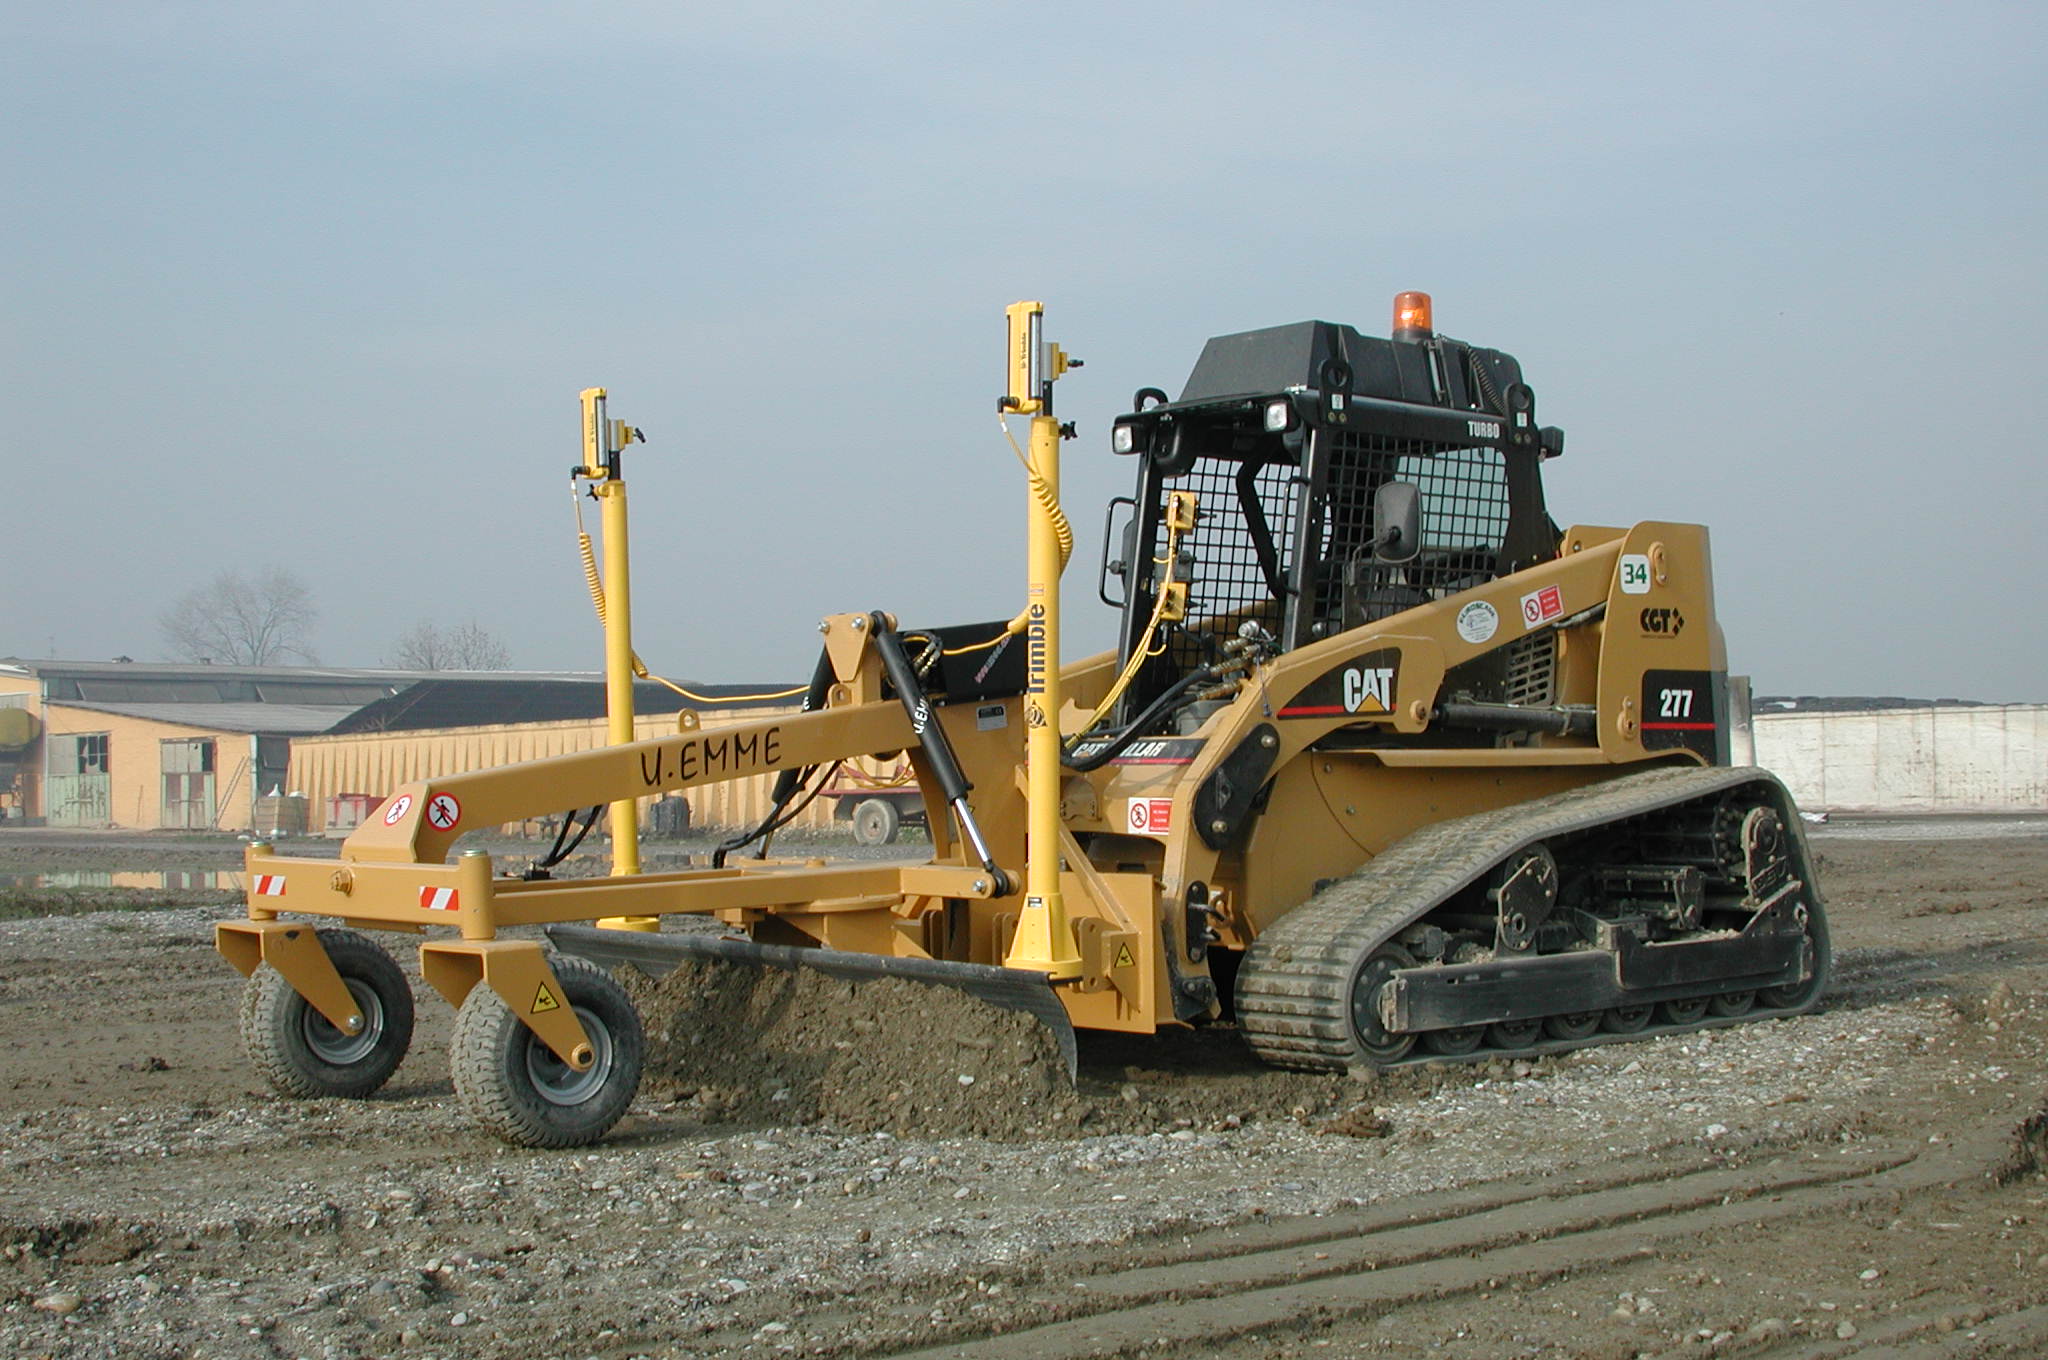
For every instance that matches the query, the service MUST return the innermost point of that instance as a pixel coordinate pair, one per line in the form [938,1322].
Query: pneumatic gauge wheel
[301,1053]
[513,1084]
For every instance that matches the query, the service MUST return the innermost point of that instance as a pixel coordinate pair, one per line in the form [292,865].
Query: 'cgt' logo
[1663,622]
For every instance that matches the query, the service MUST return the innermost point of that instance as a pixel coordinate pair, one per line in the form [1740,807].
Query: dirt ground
[1865,1180]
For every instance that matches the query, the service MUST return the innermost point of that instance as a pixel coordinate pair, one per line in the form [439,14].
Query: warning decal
[1151,816]
[443,811]
[400,805]
[269,885]
[1541,606]
[544,1000]
[1123,957]
[439,899]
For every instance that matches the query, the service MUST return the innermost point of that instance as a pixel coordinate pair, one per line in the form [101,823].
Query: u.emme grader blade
[1385,767]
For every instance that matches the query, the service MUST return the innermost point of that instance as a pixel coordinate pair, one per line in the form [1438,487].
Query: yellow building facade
[343,777]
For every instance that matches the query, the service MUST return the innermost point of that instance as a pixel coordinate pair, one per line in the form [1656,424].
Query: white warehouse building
[1859,756]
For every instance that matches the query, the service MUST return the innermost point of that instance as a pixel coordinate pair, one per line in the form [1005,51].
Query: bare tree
[465,647]
[237,620]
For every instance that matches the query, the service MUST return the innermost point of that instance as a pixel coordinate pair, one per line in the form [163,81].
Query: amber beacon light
[1411,316]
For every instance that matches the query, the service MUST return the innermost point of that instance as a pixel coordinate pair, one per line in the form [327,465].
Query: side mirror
[1397,522]
[1119,567]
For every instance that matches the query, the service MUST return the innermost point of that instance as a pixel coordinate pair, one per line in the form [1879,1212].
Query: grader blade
[1013,989]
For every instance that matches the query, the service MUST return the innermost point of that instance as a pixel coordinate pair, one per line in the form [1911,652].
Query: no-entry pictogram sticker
[1151,815]
[400,805]
[443,811]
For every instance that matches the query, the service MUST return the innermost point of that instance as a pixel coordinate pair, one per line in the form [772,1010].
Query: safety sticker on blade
[439,899]
[1151,816]
[268,885]
[1541,606]
[543,1000]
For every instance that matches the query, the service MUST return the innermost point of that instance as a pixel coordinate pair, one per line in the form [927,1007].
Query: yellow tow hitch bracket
[295,951]
[518,971]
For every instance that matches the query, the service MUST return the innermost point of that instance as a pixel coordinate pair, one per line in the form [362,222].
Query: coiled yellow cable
[1144,650]
[595,581]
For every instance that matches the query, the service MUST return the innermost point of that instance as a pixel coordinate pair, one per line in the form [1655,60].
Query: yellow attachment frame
[517,970]
[296,953]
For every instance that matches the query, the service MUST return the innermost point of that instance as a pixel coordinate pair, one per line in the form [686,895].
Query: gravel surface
[156,1200]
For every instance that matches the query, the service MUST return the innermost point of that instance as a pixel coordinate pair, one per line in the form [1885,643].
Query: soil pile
[731,1044]
[736,1044]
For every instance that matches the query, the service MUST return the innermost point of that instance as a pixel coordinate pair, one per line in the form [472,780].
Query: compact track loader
[1386,766]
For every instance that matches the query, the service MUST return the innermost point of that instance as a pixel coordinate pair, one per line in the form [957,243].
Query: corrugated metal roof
[290,720]
[477,701]
[189,670]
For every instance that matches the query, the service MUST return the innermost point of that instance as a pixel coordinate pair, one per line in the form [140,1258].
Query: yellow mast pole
[602,441]
[1044,941]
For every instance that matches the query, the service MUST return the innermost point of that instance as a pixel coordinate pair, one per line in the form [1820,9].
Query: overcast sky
[317,285]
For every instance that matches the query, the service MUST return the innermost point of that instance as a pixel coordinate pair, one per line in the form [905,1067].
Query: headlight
[1123,438]
[1279,415]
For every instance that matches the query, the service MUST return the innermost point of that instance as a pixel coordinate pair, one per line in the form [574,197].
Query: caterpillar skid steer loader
[1386,765]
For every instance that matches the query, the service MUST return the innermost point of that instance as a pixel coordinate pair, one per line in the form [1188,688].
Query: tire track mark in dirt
[1221,1292]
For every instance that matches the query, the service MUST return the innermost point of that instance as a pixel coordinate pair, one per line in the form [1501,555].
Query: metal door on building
[188,784]
[81,789]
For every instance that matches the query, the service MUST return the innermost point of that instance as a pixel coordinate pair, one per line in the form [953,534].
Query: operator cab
[1306,446]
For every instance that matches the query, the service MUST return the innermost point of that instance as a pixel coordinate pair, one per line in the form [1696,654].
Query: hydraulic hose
[786,781]
[938,750]
[1167,701]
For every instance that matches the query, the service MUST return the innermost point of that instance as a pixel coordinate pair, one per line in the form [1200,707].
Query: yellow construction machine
[1385,767]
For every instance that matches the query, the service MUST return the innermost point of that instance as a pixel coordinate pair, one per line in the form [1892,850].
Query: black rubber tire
[1689,1011]
[513,1085]
[875,821]
[1577,1025]
[1375,1044]
[300,1053]
[1626,1019]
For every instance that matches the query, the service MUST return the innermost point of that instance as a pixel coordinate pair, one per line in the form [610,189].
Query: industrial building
[1906,756]
[150,746]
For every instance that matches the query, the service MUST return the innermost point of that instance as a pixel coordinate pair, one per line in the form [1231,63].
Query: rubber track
[1294,990]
